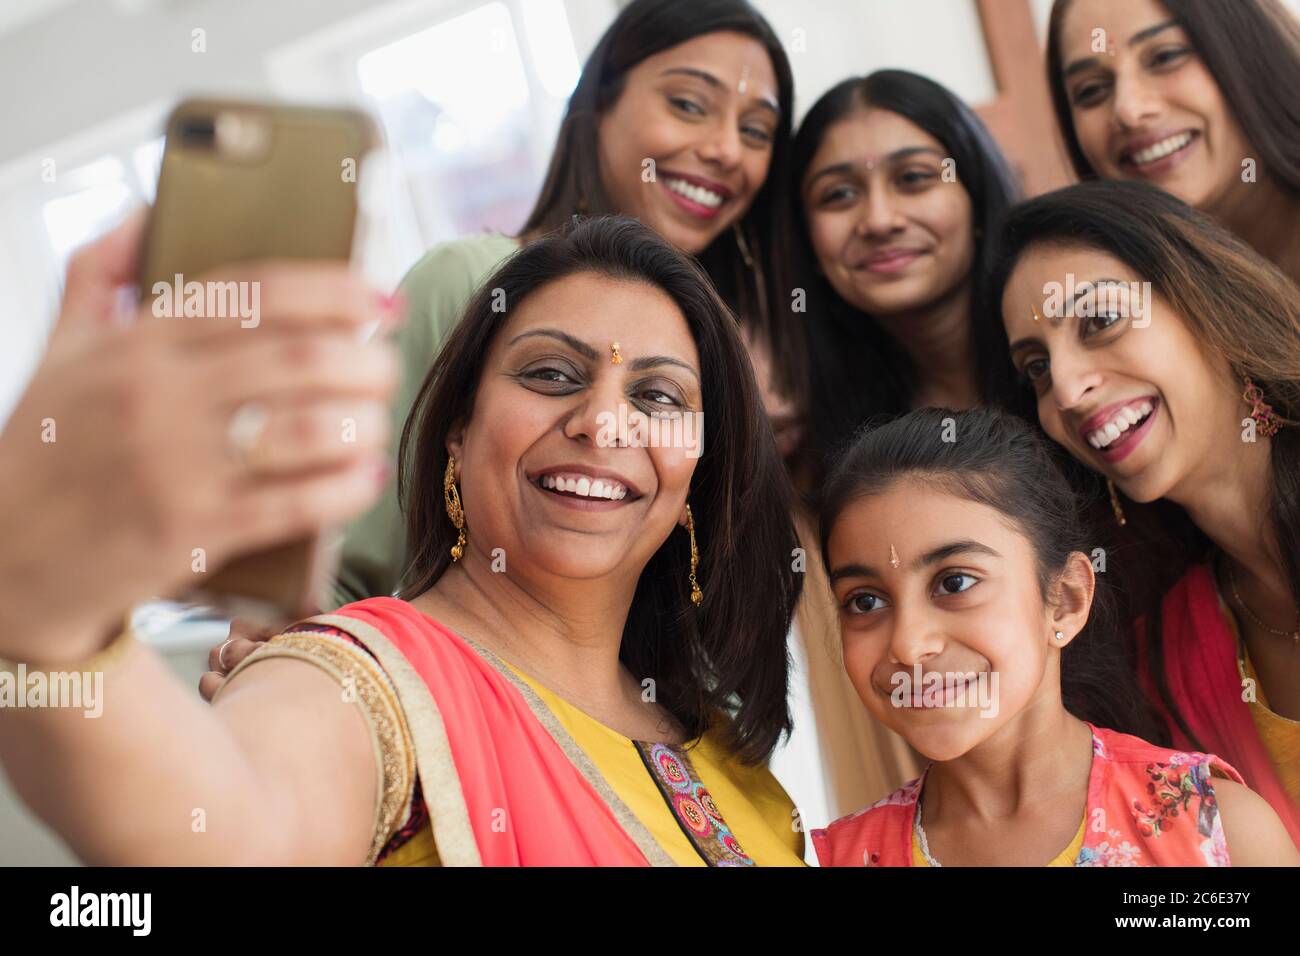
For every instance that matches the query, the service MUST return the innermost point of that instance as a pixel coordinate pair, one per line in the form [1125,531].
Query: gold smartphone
[243,181]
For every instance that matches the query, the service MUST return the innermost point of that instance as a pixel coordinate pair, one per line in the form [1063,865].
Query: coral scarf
[1201,671]
[500,789]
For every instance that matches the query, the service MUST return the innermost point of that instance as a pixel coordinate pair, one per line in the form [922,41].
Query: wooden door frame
[1020,116]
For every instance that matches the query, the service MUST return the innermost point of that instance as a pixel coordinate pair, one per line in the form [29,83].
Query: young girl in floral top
[967,599]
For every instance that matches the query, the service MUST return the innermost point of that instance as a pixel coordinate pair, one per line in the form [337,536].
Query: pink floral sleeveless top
[1147,806]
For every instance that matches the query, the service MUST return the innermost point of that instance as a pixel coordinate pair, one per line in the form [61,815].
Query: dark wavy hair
[1250,47]
[728,653]
[857,370]
[759,294]
[1000,461]
[1240,308]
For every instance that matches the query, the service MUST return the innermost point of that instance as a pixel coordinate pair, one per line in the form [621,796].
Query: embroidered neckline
[692,805]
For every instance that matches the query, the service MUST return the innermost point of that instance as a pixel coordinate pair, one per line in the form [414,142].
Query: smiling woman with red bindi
[557,577]
[1184,94]
[897,189]
[1183,405]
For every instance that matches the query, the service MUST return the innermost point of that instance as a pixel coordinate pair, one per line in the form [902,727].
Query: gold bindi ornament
[893,557]
[743,85]
[1037,317]
[615,357]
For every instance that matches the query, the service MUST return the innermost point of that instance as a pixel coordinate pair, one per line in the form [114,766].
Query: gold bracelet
[102,660]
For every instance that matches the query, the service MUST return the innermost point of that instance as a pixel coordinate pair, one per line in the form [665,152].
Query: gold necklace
[1294,633]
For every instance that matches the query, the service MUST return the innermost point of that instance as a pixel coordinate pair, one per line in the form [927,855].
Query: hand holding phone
[244,182]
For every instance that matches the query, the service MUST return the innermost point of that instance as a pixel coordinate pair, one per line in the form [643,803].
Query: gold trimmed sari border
[394,759]
[449,814]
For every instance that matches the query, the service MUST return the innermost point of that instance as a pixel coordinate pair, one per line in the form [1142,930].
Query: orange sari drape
[500,789]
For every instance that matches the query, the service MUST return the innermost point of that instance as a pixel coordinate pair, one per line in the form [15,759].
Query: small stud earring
[1060,636]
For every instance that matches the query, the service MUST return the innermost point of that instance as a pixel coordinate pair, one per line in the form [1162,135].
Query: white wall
[830,40]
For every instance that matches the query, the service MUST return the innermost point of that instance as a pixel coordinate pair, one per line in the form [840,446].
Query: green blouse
[437,289]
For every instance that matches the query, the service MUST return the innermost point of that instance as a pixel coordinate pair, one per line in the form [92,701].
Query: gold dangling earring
[742,244]
[1115,505]
[696,594]
[454,511]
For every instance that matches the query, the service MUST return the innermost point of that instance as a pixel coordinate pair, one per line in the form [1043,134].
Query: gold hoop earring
[696,594]
[1115,505]
[454,511]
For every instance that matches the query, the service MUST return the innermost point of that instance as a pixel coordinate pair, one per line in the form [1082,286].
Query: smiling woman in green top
[681,118]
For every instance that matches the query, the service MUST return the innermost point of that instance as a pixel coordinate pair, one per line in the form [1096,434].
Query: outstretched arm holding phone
[140,472]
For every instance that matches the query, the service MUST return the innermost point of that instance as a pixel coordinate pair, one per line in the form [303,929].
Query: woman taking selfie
[1196,98]
[589,667]
[1164,355]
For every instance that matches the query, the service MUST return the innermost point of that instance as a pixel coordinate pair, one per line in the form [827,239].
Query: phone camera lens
[197,131]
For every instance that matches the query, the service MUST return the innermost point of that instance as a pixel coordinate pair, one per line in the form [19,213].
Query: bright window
[147,160]
[463,109]
[97,193]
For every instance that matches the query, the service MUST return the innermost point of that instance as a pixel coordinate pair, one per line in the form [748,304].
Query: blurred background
[470,93]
